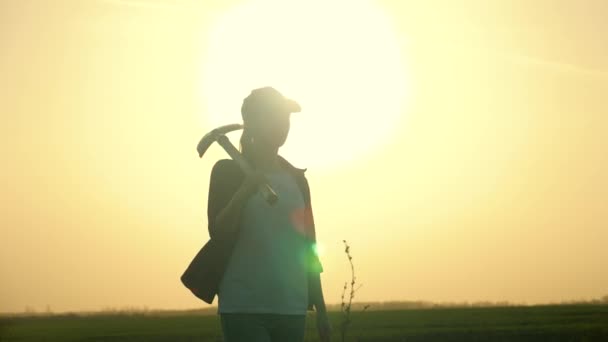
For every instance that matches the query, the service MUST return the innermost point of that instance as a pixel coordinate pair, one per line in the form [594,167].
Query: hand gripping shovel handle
[267,192]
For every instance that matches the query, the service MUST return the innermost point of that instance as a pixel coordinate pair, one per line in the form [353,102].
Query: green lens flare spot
[315,248]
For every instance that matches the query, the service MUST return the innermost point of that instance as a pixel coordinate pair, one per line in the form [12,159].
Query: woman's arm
[324,327]
[314,276]
[225,203]
[226,221]
[317,293]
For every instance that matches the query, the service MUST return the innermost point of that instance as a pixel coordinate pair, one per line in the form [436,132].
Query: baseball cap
[267,99]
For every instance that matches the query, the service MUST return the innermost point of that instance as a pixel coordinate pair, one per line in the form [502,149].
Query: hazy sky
[493,187]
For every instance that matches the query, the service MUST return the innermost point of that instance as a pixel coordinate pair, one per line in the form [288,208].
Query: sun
[341,60]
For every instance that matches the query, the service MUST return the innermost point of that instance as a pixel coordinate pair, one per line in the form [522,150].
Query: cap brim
[292,106]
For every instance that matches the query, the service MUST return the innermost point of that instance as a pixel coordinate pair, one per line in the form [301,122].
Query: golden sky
[491,186]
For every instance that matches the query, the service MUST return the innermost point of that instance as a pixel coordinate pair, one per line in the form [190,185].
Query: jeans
[262,327]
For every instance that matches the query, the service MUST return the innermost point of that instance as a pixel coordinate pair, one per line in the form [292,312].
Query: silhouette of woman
[269,281]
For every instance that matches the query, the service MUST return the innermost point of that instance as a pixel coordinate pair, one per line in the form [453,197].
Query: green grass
[523,323]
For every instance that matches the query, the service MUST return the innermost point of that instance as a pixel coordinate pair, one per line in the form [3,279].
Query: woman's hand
[323,326]
[251,183]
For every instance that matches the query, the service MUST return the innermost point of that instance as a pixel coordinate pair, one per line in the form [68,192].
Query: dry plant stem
[346,309]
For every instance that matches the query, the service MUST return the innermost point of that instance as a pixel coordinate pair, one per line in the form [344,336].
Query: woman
[271,278]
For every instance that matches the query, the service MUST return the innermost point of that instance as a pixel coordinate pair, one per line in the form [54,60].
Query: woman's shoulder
[229,169]
[225,164]
[226,169]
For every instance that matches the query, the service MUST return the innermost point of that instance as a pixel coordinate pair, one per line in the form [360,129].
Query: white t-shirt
[267,271]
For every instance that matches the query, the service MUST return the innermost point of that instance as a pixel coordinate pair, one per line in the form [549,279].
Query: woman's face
[271,128]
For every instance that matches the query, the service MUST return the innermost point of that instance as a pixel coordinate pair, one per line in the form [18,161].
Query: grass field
[516,323]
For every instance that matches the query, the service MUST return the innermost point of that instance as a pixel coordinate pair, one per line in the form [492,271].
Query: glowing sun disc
[340,60]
